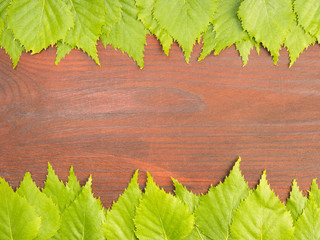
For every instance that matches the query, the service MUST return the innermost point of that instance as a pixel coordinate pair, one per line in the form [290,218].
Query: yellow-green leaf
[18,219]
[262,216]
[268,22]
[45,208]
[129,34]
[37,24]
[145,14]
[215,212]
[296,202]
[161,216]
[184,20]
[119,223]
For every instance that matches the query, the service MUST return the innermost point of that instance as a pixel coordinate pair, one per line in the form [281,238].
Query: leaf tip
[149,179]
[89,182]
[135,176]
[27,175]
[291,64]
[50,169]
[2,180]
[237,164]
[174,180]
[149,175]
[264,176]
[71,171]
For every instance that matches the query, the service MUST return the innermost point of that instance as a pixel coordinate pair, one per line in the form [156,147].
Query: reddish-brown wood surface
[189,121]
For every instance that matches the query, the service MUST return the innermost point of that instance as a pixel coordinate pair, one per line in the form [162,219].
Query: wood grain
[189,121]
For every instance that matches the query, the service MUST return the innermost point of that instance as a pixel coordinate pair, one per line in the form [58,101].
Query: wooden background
[171,119]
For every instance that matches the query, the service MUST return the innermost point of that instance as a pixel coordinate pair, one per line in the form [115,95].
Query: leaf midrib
[84,221]
[11,236]
[41,16]
[162,226]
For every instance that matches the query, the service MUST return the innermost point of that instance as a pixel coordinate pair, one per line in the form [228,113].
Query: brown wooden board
[188,121]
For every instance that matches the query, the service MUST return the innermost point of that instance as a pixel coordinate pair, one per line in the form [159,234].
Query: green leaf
[161,215]
[70,192]
[60,194]
[119,223]
[262,216]
[214,214]
[244,48]
[3,13]
[227,25]
[129,35]
[45,208]
[308,12]
[209,42]
[113,15]
[1,25]
[62,50]
[145,14]
[257,46]
[89,16]
[196,234]
[297,40]
[297,202]
[192,201]
[73,185]
[11,45]
[37,24]
[17,217]
[83,218]
[315,192]
[184,20]
[268,21]
[308,224]
[186,196]
[227,31]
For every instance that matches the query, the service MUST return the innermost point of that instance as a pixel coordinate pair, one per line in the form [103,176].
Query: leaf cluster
[230,210]
[34,25]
